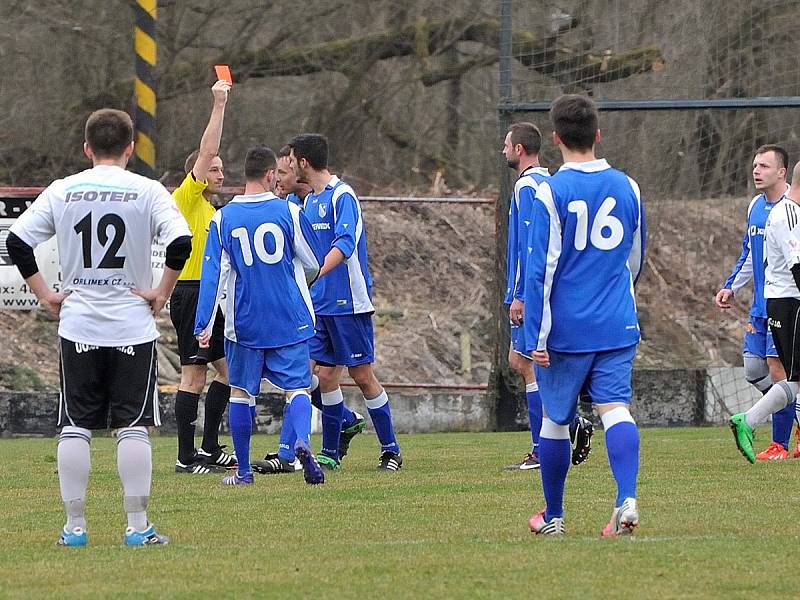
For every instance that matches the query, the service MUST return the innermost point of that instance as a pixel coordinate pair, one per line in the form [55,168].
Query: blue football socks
[534,412]
[300,416]
[622,443]
[782,422]
[287,437]
[332,409]
[554,459]
[381,416]
[241,421]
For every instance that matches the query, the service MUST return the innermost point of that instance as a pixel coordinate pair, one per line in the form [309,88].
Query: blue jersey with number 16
[585,251]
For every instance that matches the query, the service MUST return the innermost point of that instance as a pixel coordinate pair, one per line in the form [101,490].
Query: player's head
[309,151]
[575,122]
[108,135]
[259,167]
[286,180]
[214,175]
[522,139]
[770,166]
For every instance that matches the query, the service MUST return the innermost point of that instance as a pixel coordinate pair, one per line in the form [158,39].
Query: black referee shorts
[784,323]
[104,387]
[182,309]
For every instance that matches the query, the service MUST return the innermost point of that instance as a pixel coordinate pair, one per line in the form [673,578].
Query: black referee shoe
[273,463]
[580,437]
[198,466]
[217,458]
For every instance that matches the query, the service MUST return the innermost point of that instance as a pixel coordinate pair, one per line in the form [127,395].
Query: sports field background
[451,524]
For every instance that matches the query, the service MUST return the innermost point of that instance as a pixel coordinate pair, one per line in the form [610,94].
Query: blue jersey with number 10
[263,251]
[585,251]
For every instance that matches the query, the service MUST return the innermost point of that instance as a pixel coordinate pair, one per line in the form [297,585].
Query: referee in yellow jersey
[204,177]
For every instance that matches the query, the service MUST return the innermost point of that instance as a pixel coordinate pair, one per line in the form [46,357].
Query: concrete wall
[662,398]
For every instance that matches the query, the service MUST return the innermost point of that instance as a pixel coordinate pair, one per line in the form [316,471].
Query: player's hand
[724,297]
[220,91]
[52,302]
[541,358]
[155,297]
[204,339]
[516,311]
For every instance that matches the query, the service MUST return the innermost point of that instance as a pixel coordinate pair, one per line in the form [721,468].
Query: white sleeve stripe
[302,248]
[635,257]
[553,253]
[224,270]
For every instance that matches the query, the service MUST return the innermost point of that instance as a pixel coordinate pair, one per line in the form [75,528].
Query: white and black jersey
[782,252]
[104,220]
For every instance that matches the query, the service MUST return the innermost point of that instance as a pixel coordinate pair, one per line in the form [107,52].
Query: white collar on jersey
[245,198]
[535,169]
[592,166]
[332,183]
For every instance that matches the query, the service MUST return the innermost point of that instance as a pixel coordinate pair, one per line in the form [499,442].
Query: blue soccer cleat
[148,537]
[312,472]
[236,479]
[74,539]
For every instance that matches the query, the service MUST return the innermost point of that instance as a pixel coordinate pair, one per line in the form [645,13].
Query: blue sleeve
[344,228]
[512,251]
[211,278]
[526,199]
[740,271]
[543,252]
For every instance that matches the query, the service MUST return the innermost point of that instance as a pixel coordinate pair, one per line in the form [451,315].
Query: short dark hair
[313,147]
[258,161]
[575,120]
[108,132]
[285,151]
[528,135]
[779,152]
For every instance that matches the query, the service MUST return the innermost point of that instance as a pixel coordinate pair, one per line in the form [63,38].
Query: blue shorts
[605,376]
[343,340]
[286,368]
[518,341]
[758,338]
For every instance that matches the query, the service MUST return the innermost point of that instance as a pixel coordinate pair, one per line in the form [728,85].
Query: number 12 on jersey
[607,230]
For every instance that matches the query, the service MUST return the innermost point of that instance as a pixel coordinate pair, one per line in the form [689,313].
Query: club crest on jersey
[322,211]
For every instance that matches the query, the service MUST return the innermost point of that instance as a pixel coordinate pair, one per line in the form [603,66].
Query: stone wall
[662,398]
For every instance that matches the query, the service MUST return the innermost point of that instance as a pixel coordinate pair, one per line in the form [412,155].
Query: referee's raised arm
[204,177]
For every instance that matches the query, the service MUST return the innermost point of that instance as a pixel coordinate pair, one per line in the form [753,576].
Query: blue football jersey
[294,199]
[585,252]
[518,222]
[752,261]
[263,253]
[335,215]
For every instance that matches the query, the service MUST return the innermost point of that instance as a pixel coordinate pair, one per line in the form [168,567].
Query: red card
[224,73]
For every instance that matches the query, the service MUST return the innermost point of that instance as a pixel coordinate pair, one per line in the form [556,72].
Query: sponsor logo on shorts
[774,323]
[357,355]
[126,350]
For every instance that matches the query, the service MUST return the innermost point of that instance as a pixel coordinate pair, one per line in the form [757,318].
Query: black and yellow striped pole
[145,87]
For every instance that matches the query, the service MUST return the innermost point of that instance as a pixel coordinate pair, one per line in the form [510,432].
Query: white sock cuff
[239,400]
[377,401]
[71,432]
[314,383]
[291,395]
[621,414]
[133,433]
[332,398]
[553,431]
[532,387]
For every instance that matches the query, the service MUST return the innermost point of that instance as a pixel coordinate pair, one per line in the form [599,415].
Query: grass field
[451,524]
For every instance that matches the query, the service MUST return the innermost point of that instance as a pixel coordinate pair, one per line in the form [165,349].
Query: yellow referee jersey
[198,212]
